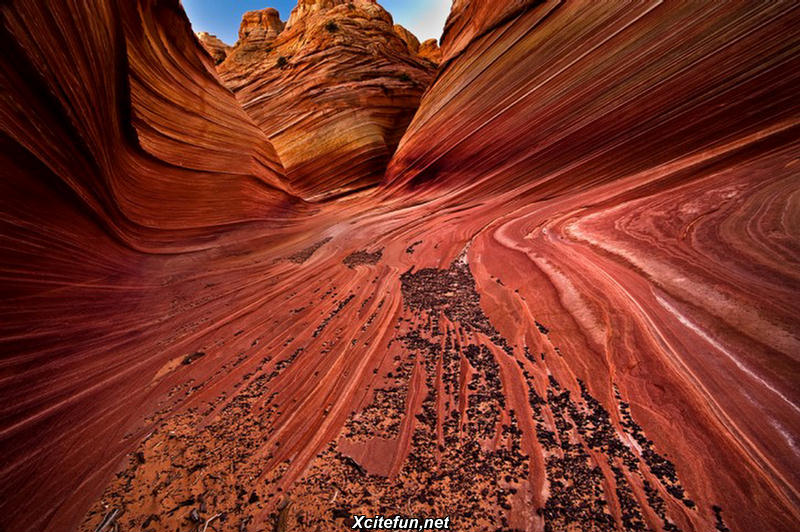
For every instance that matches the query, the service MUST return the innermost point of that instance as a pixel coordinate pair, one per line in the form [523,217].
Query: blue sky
[425,18]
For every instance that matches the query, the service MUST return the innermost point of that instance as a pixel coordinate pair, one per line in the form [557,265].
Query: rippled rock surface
[571,303]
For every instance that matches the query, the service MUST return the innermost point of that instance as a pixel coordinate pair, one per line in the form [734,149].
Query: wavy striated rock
[572,305]
[217,49]
[334,93]
[120,147]
[130,143]
[470,19]
[618,167]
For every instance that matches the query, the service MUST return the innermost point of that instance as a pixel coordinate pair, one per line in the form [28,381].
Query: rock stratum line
[545,277]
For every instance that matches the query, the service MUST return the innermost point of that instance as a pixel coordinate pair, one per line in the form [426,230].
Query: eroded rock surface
[334,91]
[571,305]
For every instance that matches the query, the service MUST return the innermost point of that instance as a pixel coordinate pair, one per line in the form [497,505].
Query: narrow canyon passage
[565,299]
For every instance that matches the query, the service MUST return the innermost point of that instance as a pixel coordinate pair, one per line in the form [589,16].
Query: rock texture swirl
[568,299]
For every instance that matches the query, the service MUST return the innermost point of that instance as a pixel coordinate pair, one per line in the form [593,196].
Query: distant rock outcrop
[334,91]
[410,39]
[430,50]
[256,33]
[305,8]
[217,49]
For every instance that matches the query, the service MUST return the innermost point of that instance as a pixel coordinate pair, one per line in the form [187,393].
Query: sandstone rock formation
[572,304]
[626,212]
[128,144]
[120,147]
[470,19]
[257,32]
[409,38]
[334,92]
[429,49]
[217,49]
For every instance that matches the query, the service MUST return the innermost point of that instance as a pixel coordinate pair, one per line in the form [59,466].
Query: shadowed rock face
[334,92]
[571,305]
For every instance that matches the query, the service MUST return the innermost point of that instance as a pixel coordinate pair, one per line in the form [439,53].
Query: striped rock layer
[571,303]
